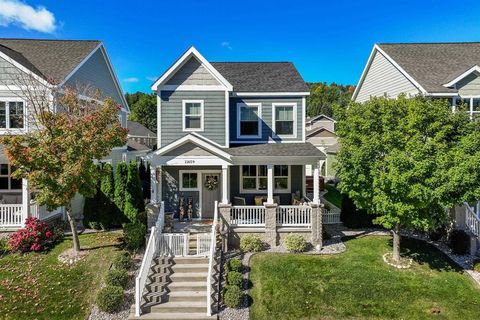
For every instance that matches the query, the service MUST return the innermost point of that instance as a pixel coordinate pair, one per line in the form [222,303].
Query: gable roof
[433,65]
[315,131]
[300,149]
[51,60]
[137,129]
[319,117]
[262,76]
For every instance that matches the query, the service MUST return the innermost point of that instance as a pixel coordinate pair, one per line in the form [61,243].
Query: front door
[211,192]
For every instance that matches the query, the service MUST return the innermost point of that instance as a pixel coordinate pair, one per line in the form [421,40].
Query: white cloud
[227,45]
[132,79]
[26,16]
[152,78]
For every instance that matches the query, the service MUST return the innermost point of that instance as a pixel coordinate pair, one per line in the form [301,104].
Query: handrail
[472,221]
[210,260]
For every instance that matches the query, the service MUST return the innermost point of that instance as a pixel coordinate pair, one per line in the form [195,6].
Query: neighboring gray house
[47,64]
[141,134]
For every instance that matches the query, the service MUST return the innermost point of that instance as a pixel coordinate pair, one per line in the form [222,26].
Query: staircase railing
[472,220]
[150,253]
[211,259]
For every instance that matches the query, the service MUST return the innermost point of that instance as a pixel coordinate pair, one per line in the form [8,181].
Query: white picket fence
[472,220]
[177,244]
[331,217]
[247,216]
[11,215]
[294,216]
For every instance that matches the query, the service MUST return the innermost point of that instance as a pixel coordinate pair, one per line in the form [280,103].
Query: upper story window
[285,119]
[249,120]
[12,114]
[7,182]
[192,113]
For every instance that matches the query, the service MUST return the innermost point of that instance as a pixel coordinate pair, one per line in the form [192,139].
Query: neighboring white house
[52,64]
[439,70]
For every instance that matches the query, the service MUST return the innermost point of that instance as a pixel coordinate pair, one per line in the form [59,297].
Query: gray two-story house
[232,132]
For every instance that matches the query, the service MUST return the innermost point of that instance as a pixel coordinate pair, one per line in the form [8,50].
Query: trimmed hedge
[117,278]
[233,297]
[110,299]
[251,243]
[295,243]
[234,264]
[134,235]
[235,278]
[123,260]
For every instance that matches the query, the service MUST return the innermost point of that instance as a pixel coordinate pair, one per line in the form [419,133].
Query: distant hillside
[324,96]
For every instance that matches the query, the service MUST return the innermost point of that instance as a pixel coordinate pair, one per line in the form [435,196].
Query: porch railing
[247,216]
[331,217]
[472,220]
[11,215]
[211,259]
[42,213]
[293,216]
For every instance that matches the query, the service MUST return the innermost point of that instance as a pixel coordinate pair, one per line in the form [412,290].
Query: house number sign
[189,161]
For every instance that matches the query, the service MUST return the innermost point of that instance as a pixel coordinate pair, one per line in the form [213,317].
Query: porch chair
[239,201]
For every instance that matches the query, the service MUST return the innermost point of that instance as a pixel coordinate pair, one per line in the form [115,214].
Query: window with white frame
[254,178]
[192,115]
[284,119]
[12,114]
[188,181]
[249,120]
[7,182]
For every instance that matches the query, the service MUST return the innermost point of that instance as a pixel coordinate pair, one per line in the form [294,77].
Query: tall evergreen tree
[120,185]
[134,203]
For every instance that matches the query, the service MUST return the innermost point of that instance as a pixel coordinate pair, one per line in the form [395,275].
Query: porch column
[225,174]
[270,184]
[25,200]
[153,185]
[316,184]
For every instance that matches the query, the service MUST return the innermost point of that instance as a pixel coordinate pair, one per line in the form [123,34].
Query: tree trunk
[396,243]
[73,227]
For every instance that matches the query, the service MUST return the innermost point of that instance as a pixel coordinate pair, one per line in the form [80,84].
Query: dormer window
[249,120]
[12,114]
[192,115]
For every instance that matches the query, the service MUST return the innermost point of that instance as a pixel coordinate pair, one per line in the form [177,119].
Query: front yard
[357,284]
[38,286]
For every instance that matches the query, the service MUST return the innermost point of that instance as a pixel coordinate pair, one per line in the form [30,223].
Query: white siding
[383,78]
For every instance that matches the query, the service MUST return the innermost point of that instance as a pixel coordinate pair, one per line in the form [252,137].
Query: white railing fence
[247,216]
[211,259]
[472,220]
[331,217]
[41,212]
[290,216]
[11,215]
[203,244]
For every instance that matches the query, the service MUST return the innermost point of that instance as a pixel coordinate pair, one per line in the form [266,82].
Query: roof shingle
[276,150]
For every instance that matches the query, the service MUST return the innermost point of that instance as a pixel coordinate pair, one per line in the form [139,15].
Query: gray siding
[192,73]
[383,78]
[470,85]
[95,74]
[9,74]
[267,125]
[171,114]
[296,177]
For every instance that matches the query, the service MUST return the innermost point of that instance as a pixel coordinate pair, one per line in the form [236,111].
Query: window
[254,179]
[249,120]
[192,115]
[284,120]
[188,181]
[12,115]
[7,182]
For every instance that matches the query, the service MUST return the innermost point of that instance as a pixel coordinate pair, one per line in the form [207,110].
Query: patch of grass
[38,286]
[333,195]
[357,284]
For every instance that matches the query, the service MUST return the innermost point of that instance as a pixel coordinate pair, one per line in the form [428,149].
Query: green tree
[407,160]
[109,216]
[134,203]
[324,97]
[143,109]
[57,156]
[120,185]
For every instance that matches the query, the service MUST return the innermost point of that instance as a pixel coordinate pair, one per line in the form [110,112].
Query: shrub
[352,217]
[94,225]
[476,265]
[110,299]
[123,260]
[459,242]
[4,247]
[295,243]
[117,277]
[134,203]
[234,278]
[120,186]
[234,264]
[36,236]
[134,235]
[251,243]
[233,297]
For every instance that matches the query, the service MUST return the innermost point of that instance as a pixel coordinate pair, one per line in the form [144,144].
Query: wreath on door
[211,183]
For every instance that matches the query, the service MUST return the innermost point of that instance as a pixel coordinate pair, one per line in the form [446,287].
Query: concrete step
[188,296]
[194,286]
[173,316]
[179,260]
[178,276]
[196,267]
[155,297]
[181,306]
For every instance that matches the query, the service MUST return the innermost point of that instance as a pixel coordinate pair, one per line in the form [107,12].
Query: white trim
[25,70]
[192,52]
[304,117]
[321,116]
[159,119]
[257,177]
[80,65]
[184,115]
[376,47]
[295,119]
[227,119]
[190,162]
[262,141]
[182,87]
[7,130]
[475,68]
[259,120]
[440,94]
[180,180]
[269,94]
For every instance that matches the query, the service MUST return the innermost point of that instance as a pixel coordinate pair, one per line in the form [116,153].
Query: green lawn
[37,286]
[333,195]
[357,284]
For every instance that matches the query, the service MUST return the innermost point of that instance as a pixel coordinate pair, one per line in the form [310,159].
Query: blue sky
[327,40]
